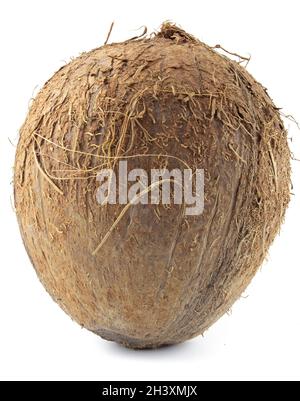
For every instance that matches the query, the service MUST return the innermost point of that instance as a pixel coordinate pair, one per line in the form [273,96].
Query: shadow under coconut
[192,349]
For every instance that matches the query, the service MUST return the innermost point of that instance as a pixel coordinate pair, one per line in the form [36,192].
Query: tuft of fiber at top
[169,30]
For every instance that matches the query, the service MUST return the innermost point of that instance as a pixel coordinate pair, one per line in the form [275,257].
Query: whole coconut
[159,277]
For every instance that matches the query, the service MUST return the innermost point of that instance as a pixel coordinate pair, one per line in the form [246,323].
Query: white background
[260,339]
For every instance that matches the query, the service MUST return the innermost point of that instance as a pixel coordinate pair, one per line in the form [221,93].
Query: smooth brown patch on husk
[168,100]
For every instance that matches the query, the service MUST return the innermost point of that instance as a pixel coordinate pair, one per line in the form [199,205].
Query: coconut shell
[160,277]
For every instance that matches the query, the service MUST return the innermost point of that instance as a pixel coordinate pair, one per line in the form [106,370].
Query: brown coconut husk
[148,275]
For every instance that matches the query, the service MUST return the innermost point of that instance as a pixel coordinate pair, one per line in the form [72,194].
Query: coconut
[147,275]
